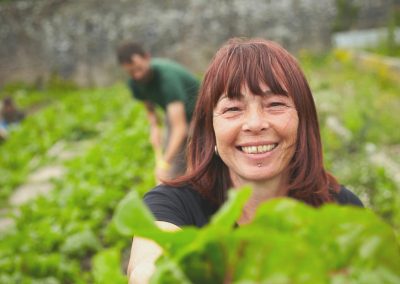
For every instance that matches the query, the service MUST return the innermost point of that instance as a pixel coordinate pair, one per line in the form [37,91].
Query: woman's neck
[262,191]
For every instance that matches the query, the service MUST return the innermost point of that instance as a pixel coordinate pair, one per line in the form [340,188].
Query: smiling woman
[256,136]
[259,99]
[254,123]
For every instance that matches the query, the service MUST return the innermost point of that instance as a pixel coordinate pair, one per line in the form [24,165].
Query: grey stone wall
[77,39]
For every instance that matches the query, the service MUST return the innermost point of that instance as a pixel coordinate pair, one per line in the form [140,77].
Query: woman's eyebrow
[267,92]
[270,93]
[225,96]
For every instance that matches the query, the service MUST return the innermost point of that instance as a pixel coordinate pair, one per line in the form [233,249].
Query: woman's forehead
[263,87]
[245,90]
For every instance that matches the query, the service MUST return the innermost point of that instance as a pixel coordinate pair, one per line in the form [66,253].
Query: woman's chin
[257,176]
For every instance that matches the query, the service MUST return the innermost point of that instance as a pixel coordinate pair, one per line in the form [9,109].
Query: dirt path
[41,181]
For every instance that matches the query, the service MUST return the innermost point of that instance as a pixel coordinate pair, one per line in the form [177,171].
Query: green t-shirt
[170,82]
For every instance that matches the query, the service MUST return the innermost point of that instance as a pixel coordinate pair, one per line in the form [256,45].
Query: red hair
[250,62]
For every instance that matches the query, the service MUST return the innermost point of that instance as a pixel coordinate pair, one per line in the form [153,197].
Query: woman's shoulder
[183,193]
[347,197]
[181,206]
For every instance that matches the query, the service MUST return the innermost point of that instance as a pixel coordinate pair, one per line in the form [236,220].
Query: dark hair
[251,62]
[126,50]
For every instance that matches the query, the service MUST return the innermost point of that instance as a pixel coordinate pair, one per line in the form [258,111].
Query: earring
[216,150]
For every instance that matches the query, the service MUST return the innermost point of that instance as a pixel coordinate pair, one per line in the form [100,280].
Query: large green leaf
[230,211]
[133,217]
[107,267]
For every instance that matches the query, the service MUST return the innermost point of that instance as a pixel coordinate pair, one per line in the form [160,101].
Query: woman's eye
[231,109]
[277,104]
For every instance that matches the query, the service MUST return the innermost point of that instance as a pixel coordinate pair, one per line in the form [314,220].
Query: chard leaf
[133,217]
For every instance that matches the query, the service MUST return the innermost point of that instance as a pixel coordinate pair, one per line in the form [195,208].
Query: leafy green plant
[288,242]
[365,106]
[106,267]
[77,116]
[66,236]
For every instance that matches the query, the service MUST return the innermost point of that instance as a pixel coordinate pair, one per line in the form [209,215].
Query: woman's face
[256,135]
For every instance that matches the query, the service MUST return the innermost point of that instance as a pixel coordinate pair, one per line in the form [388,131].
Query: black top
[186,207]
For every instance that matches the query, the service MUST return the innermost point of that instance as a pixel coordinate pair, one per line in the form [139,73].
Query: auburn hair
[248,62]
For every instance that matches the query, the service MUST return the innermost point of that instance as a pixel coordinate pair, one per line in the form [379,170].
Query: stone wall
[77,39]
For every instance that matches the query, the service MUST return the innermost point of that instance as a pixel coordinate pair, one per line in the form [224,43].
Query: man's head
[135,60]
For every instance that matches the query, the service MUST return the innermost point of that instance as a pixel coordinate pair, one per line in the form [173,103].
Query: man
[160,82]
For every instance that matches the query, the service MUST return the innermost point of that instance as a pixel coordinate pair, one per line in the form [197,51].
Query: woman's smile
[257,148]
[258,154]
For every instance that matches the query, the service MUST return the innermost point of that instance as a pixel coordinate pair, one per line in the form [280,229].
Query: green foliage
[72,118]
[131,206]
[366,105]
[33,97]
[288,242]
[80,243]
[59,234]
[106,267]
[68,236]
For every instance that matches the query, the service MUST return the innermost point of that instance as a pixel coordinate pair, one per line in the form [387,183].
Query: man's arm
[155,135]
[179,127]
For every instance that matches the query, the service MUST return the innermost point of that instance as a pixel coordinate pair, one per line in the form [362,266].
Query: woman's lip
[257,157]
[249,144]
[260,152]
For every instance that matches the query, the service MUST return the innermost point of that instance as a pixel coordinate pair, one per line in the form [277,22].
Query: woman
[254,123]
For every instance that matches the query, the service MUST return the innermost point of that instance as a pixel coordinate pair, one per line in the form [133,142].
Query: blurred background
[80,142]
[76,39]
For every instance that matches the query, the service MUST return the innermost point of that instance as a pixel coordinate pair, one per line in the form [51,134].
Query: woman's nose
[255,121]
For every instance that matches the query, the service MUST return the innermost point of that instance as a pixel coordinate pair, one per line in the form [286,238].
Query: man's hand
[162,170]
[178,133]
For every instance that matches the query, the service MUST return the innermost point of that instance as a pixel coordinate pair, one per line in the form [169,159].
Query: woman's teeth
[258,149]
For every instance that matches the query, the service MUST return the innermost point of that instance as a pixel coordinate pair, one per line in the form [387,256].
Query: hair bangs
[245,64]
